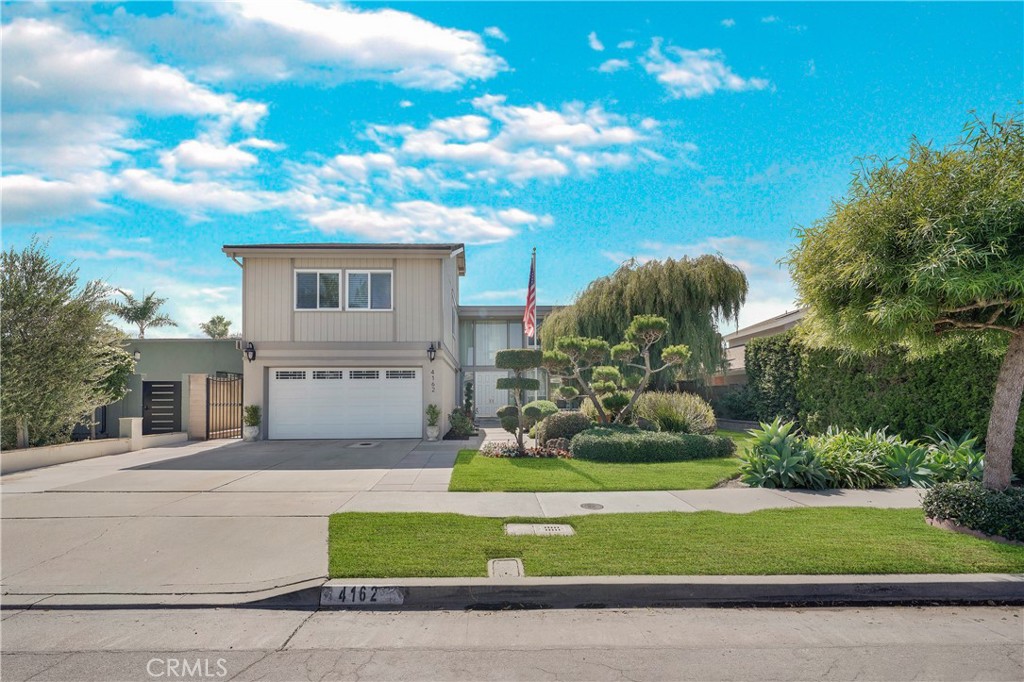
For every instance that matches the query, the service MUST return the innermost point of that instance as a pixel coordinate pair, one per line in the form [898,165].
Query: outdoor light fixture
[431,352]
[137,355]
[250,351]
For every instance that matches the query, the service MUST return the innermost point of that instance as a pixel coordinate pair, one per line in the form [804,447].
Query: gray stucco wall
[171,360]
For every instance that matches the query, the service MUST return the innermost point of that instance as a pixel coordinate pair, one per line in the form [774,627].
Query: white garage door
[344,402]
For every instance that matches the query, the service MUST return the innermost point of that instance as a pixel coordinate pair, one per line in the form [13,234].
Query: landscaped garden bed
[475,472]
[838,540]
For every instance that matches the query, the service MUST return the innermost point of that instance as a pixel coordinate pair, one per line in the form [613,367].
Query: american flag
[530,314]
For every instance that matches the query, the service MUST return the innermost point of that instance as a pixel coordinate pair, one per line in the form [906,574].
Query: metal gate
[161,407]
[223,408]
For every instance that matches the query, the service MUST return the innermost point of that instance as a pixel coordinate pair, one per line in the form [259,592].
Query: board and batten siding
[269,302]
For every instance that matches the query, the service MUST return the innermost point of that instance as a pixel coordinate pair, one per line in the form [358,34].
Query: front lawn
[768,542]
[474,473]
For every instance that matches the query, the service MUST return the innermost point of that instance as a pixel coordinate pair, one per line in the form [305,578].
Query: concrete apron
[670,591]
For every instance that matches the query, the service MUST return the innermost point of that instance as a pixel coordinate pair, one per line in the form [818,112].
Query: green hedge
[626,444]
[562,425]
[819,388]
[772,364]
[972,505]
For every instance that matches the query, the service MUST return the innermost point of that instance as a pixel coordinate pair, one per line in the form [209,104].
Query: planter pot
[433,432]
[250,433]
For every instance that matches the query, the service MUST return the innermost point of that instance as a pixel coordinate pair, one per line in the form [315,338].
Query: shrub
[509,417]
[252,415]
[615,403]
[778,458]
[557,444]
[852,460]
[970,504]
[433,414]
[737,403]
[562,425]
[587,406]
[537,410]
[772,365]
[462,425]
[676,412]
[627,444]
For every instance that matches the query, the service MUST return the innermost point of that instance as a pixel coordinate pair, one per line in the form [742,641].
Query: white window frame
[369,291]
[317,272]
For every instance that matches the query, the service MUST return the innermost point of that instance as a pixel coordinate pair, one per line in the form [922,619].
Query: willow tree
[694,295]
[927,252]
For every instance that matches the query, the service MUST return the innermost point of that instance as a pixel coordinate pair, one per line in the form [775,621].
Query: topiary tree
[518,361]
[537,411]
[575,357]
[926,252]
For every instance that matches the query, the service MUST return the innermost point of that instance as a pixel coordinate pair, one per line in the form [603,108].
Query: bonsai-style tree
[695,295]
[217,328]
[518,360]
[926,252]
[143,313]
[575,357]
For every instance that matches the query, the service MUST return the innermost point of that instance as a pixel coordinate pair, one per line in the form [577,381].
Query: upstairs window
[317,290]
[369,290]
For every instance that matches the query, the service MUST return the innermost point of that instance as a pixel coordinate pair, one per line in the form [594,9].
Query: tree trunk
[21,437]
[1002,423]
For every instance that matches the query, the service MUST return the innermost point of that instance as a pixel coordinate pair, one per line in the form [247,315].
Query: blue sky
[138,139]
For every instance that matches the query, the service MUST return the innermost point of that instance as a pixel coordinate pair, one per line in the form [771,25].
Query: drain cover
[591,505]
[365,444]
[538,529]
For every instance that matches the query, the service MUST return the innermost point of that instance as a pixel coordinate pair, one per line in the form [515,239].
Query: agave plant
[955,459]
[778,458]
[907,465]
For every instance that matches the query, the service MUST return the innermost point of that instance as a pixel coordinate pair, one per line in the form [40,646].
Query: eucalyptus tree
[694,295]
[926,252]
[60,360]
[142,312]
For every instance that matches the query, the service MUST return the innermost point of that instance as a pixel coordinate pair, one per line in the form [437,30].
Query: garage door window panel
[369,290]
[317,290]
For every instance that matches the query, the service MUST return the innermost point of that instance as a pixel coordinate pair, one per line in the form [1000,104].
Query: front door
[488,397]
[161,407]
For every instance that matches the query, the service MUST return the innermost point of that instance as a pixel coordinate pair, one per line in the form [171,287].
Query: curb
[667,591]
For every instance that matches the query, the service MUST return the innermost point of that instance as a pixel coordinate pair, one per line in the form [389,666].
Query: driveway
[226,518]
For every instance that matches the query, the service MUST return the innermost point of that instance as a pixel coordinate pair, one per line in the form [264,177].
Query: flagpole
[533,269]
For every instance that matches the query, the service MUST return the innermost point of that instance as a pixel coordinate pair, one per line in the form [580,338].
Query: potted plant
[433,415]
[251,418]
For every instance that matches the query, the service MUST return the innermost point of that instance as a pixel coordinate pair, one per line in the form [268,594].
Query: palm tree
[144,312]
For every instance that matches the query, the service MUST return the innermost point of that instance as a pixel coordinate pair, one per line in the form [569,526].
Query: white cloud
[728,23]
[497,295]
[207,156]
[411,221]
[695,73]
[771,19]
[405,104]
[75,71]
[495,32]
[627,45]
[594,43]
[613,65]
[28,199]
[516,216]
[122,254]
[192,198]
[259,143]
[338,42]
[464,128]
[61,143]
[811,69]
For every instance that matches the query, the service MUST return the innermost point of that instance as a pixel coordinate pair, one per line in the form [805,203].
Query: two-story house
[350,340]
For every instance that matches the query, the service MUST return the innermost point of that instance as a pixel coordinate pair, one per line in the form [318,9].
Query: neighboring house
[350,340]
[483,331]
[736,342]
[159,389]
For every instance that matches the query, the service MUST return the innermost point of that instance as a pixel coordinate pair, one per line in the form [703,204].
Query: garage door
[345,402]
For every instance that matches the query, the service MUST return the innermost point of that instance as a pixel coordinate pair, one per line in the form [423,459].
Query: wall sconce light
[250,351]
[137,355]
[431,352]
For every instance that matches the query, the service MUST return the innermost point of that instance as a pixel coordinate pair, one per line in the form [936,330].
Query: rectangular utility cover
[538,529]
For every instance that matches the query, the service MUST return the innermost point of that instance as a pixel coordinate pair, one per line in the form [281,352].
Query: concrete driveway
[226,518]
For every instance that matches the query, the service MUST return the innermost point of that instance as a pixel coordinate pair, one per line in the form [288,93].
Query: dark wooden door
[161,407]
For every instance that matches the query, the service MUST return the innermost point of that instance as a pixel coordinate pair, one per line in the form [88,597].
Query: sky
[139,138]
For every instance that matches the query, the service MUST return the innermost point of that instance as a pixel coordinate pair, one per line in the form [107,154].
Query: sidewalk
[732,500]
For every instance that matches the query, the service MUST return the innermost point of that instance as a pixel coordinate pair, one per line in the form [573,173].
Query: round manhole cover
[591,505]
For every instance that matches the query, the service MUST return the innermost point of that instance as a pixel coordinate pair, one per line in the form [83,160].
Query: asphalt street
[907,643]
